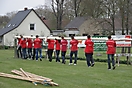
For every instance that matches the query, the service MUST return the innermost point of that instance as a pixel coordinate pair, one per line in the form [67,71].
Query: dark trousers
[110,57]
[75,54]
[19,52]
[33,53]
[57,55]
[24,53]
[63,53]
[29,52]
[50,52]
[38,53]
[89,57]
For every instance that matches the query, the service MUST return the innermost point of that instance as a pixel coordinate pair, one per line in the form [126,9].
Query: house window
[32,26]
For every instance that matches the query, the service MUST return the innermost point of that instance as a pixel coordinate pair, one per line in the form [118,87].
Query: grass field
[79,76]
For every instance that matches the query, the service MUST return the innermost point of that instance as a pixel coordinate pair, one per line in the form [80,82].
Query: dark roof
[76,23]
[17,20]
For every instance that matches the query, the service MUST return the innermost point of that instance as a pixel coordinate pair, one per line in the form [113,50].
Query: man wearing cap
[89,51]
[38,47]
[50,48]
[111,49]
[74,50]
[63,49]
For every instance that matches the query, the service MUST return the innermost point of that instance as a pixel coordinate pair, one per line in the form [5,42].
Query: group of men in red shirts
[28,43]
[61,46]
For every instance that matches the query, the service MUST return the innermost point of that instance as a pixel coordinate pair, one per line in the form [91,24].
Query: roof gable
[76,23]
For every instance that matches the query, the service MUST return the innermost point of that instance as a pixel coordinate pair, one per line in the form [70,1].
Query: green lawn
[79,76]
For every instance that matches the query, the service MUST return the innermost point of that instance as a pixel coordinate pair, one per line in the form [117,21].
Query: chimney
[25,8]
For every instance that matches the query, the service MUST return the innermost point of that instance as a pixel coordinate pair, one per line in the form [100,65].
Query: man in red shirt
[29,46]
[50,48]
[19,48]
[74,50]
[89,51]
[38,47]
[57,48]
[23,44]
[63,49]
[111,49]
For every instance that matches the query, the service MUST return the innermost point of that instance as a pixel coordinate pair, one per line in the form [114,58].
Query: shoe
[114,67]
[64,62]
[89,66]
[109,69]
[40,59]
[70,63]
[75,64]
[92,65]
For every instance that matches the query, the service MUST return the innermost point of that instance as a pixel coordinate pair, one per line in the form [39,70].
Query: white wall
[71,32]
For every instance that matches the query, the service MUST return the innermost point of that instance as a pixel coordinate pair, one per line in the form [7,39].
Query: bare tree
[3,21]
[57,7]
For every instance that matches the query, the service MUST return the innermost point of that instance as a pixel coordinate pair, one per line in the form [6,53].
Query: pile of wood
[35,79]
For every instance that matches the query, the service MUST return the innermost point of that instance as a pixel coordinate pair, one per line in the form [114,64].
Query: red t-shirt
[23,43]
[37,43]
[89,46]
[74,44]
[50,43]
[29,43]
[64,45]
[57,43]
[111,46]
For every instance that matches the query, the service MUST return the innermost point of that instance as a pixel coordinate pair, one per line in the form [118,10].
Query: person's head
[31,35]
[72,37]
[37,36]
[109,37]
[88,36]
[62,37]
[21,36]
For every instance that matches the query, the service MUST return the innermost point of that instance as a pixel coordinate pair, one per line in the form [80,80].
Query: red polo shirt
[57,43]
[111,46]
[37,43]
[64,45]
[23,43]
[50,43]
[74,44]
[29,42]
[89,46]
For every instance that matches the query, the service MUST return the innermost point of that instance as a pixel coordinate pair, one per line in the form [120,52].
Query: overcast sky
[16,5]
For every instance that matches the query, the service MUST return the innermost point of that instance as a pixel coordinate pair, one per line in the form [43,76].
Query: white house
[26,22]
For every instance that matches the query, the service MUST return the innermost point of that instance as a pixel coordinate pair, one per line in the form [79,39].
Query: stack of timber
[35,79]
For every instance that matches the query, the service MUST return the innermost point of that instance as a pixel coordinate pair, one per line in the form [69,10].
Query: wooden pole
[31,75]
[15,48]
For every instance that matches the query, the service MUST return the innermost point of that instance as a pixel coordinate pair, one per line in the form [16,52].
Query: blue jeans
[75,59]
[110,56]
[63,53]
[89,57]
[24,53]
[38,51]
[29,52]
[57,55]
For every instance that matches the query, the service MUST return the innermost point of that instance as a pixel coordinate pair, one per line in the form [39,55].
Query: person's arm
[114,43]
[19,44]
